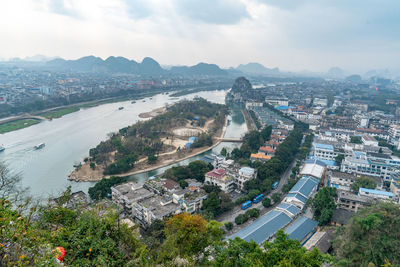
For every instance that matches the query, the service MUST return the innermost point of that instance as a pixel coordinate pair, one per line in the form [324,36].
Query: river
[69,138]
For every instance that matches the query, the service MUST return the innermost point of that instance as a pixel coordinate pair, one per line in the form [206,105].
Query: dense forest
[143,139]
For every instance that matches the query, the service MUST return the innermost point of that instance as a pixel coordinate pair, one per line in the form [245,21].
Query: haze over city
[293,35]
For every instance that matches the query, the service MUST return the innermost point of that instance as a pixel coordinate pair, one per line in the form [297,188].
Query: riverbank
[16,125]
[85,174]
[153,113]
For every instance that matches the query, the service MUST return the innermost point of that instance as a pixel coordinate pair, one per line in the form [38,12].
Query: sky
[294,35]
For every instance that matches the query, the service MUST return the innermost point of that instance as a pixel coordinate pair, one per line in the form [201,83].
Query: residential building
[245,174]
[369,140]
[220,178]
[146,211]
[352,202]
[125,195]
[376,194]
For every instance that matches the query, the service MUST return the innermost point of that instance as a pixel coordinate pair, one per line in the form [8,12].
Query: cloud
[60,7]
[212,11]
[138,9]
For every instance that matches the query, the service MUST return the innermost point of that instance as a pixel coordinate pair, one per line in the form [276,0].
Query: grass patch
[16,125]
[59,113]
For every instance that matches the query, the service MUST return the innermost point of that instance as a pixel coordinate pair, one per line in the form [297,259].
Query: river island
[171,134]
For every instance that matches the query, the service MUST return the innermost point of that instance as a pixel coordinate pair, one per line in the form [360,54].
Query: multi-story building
[220,178]
[352,202]
[125,195]
[372,164]
[148,210]
[395,184]
[376,194]
[325,151]
[369,140]
[343,181]
[394,134]
[245,174]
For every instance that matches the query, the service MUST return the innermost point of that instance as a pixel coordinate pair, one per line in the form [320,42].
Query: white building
[369,140]
[313,168]
[245,174]
[220,178]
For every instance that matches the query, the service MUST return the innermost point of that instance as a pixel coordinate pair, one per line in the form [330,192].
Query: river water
[69,138]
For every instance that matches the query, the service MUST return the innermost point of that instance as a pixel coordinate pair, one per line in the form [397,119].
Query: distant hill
[199,69]
[112,65]
[123,65]
[257,68]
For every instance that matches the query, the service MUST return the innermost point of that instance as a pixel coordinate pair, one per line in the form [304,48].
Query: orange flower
[90,249]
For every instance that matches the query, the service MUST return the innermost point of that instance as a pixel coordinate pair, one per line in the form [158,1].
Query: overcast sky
[290,34]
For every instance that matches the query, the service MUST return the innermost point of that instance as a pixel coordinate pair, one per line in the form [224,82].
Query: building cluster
[159,198]
[288,214]
[20,86]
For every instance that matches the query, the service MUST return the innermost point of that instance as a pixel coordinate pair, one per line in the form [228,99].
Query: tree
[253,213]
[10,185]
[371,236]
[92,165]
[266,202]
[339,158]
[266,132]
[102,188]
[281,252]
[241,218]
[253,193]
[183,184]
[363,182]
[228,226]
[151,159]
[323,204]
[355,139]
[276,197]
[223,152]
[189,235]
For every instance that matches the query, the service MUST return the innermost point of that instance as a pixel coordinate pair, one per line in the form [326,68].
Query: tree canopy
[363,182]
[323,204]
[371,236]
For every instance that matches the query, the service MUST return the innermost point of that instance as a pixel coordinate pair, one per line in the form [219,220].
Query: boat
[151,98]
[133,102]
[120,108]
[39,146]
[166,93]
[144,101]
[2,148]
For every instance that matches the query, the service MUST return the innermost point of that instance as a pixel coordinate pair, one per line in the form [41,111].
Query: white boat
[39,146]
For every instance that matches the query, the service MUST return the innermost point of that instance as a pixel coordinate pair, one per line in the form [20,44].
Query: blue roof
[327,162]
[300,228]
[316,161]
[377,192]
[207,159]
[264,227]
[323,146]
[192,139]
[305,186]
[290,208]
[284,107]
[298,196]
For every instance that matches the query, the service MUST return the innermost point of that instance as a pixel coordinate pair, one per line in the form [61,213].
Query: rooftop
[157,205]
[264,227]
[376,192]
[323,146]
[260,156]
[301,228]
[247,170]
[217,173]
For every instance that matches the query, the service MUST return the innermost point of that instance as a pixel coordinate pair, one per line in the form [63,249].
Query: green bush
[241,218]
